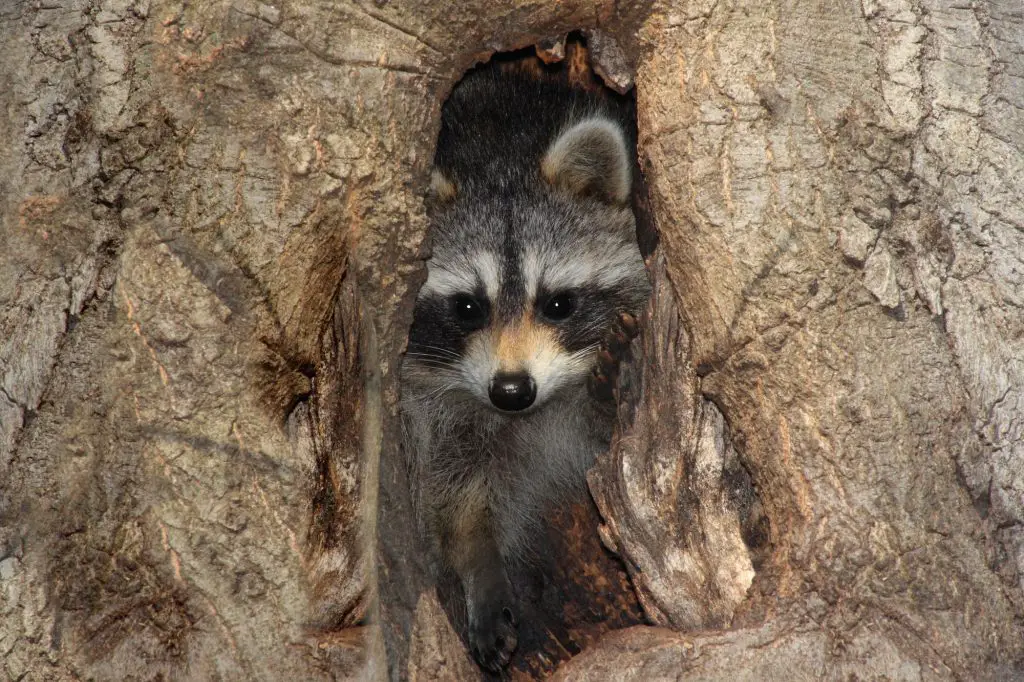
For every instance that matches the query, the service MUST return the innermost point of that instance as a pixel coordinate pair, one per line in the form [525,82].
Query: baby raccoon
[535,259]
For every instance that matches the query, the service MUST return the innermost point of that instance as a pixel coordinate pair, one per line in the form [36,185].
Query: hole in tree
[501,292]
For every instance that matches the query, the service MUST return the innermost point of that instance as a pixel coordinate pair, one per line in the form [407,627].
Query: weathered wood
[211,235]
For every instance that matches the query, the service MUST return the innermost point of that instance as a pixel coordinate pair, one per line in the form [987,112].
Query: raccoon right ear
[441,189]
[590,159]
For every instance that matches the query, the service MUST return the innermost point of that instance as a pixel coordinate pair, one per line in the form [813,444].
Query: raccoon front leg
[614,349]
[470,548]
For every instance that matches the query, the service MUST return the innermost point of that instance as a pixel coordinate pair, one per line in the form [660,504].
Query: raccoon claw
[613,350]
[492,637]
[630,325]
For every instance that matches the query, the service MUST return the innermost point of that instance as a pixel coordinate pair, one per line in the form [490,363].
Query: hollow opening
[568,589]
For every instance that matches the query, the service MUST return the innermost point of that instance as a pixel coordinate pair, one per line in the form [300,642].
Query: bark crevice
[208,209]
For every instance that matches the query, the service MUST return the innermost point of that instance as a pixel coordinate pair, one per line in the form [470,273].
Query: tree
[212,234]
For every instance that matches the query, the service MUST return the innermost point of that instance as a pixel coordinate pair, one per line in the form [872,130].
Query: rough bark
[211,235]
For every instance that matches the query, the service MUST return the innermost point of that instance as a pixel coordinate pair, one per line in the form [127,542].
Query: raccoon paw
[492,635]
[614,349]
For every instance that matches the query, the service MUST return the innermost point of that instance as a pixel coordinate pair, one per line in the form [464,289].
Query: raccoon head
[528,270]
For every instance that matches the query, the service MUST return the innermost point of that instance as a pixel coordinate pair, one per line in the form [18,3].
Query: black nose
[513,392]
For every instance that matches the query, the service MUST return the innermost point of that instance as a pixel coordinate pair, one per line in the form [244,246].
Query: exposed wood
[211,236]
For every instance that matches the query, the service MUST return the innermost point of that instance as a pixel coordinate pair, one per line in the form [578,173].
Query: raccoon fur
[534,254]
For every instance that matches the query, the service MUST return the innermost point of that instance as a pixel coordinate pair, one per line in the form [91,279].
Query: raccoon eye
[559,307]
[470,311]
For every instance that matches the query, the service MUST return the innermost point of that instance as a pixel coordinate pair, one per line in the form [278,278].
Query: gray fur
[590,159]
[513,236]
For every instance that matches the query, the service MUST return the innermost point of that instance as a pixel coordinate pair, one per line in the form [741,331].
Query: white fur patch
[557,271]
[490,273]
[554,368]
[478,365]
[462,276]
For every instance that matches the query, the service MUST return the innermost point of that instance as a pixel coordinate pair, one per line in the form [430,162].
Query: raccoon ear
[442,189]
[590,159]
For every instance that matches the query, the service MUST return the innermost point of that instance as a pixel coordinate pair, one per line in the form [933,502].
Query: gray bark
[211,236]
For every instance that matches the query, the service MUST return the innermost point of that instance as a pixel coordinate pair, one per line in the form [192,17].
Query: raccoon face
[526,276]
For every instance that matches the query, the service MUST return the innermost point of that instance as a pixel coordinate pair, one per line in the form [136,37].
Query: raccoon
[534,259]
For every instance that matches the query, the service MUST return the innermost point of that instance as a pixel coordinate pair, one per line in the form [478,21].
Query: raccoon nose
[513,392]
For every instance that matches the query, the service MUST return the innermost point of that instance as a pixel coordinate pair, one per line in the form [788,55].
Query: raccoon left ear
[590,159]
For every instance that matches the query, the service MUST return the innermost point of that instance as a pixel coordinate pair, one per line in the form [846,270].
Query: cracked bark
[211,235]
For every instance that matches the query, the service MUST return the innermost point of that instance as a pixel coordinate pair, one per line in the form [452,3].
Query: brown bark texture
[211,237]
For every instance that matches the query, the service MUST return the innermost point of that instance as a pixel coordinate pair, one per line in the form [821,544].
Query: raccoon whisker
[441,370]
[439,390]
[430,356]
[432,360]
[419,357]
[427,358]
[438,376]
[434,349]
[588,330]
[444,388]
[583,354]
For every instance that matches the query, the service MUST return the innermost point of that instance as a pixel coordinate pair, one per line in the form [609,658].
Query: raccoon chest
[514,441]
[556,446]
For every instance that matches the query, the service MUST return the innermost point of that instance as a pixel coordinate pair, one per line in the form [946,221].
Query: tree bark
[211,238]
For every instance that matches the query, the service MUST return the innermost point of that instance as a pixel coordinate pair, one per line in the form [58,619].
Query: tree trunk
[212,235]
